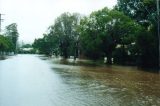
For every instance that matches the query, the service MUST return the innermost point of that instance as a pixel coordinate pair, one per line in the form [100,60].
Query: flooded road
[31,80]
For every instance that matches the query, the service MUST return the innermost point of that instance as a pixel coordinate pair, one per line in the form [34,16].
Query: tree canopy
[12,33]
[125,35]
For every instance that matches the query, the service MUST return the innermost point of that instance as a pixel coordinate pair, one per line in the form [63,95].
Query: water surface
[32,80]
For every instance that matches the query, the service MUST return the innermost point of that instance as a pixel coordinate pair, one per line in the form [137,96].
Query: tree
[12,34]
[90,41]
[5,44]
[63,34]
[42,45]
[144,12]
[104,30]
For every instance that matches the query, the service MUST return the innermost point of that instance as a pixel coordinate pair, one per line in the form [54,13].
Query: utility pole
[158,30]
[1,21]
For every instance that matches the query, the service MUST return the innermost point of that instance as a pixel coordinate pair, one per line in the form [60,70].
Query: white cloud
[34,16]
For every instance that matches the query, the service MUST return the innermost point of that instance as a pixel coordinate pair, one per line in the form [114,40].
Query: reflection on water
[29,80]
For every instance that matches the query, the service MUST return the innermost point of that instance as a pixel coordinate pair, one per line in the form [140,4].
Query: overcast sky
[35,16]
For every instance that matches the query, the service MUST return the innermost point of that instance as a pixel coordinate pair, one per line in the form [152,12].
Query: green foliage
[144,12]
[65,29]
[42,46]
[89,39]
[12,34]
[126,33]
[104,30]
[9,41]
[62,37]
[5,44]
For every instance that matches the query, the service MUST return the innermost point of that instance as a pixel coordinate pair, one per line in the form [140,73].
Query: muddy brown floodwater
[33,80]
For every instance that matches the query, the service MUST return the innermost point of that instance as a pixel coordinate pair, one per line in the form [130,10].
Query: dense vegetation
[126,34]
[8,41]
[144,12]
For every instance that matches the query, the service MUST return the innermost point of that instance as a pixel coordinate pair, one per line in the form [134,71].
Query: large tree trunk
[109,59]
[65,53]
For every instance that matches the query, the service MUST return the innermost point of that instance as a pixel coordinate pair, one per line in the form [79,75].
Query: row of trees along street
[8,40]
[127,34]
